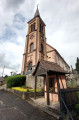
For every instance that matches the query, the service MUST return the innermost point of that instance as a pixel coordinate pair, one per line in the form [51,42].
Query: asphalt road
[14,108]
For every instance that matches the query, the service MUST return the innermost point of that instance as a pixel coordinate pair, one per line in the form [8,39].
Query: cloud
[11,56]
[62,29]
[13,4]
[13,24]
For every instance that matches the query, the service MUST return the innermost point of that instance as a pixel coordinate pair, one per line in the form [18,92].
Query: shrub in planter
[15,81]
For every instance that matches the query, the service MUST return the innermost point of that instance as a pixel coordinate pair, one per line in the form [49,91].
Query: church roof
[48,66]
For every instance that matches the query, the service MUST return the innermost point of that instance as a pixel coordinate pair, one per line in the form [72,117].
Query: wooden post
[47,89]
[57,78]
[35,87]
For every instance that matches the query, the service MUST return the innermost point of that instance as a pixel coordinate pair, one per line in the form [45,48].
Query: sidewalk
[42,101]
[53,109]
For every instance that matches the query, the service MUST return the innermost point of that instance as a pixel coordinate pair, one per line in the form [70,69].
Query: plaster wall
[54,96]
[61,62]
[51,56]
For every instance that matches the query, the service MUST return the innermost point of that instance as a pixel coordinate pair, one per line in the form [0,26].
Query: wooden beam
[62,82]
[35,87]
[47,89]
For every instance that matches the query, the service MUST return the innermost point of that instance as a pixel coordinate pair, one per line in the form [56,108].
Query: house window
[30,66]
[31,47]
[33,27]
[41,28]
[42,48]
[51,84]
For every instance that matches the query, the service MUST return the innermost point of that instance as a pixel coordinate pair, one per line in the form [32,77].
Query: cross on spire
[37,5]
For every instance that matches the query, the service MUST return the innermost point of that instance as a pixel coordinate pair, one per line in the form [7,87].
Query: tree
[6,76]
[77,65]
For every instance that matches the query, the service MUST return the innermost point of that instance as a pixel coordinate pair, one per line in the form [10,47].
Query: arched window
[30,66]
[42,48]
[31,47]
[33,27]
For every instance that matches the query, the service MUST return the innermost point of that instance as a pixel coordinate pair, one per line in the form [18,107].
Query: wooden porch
[48,69]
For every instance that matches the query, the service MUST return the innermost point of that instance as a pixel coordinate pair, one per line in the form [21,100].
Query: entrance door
[51,84]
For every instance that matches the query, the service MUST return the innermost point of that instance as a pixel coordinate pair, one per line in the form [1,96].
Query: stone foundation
[25,95]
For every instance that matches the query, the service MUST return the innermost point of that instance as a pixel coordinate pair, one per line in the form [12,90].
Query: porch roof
[43,66]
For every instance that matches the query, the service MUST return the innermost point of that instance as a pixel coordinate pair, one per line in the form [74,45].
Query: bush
[15,81]
[77,108]
[71,84]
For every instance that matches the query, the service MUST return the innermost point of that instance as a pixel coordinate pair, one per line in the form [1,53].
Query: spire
[37,12]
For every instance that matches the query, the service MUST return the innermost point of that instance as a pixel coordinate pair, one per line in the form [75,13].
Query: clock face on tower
[31,37]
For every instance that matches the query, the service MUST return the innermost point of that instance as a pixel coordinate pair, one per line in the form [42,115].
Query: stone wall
[25,95]
[30,82]
[2,81]
[73,79]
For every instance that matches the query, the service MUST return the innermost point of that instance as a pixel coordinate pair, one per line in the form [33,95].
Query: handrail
[67,109]
[69,90]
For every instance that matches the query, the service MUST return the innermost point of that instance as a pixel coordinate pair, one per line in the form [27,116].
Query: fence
[68,98]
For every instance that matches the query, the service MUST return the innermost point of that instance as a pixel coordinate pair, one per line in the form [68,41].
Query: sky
[62,29]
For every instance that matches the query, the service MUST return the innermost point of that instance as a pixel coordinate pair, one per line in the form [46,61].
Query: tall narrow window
[42,48]
[41,28]
[30,66]
[31,47]
[33,27]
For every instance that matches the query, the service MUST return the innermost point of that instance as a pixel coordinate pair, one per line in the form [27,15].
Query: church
[42,64]
[36,47]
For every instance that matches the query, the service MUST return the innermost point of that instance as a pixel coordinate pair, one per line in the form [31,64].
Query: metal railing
[64,107]
[61,105]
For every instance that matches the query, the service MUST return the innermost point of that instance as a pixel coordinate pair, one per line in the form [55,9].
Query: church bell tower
[35,44]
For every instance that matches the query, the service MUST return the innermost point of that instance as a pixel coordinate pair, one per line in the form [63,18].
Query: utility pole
[3,71]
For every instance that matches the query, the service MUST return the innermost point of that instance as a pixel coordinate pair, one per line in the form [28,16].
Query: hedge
[15,81]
